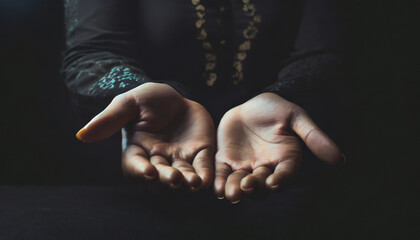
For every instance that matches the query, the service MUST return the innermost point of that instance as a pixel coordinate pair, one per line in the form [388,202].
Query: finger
[136,165]
[256,179]
[203,165]
[222,173]
[282,175]
[316,140]
[192,179]
[233,190]
[167,174]
[121,111]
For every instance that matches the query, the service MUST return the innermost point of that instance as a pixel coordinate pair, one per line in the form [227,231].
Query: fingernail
[79,133]
[344,159]
[274,187]
[149,177]
[247,189]
[195,184]
[221,198]
[236,202]
[175,185]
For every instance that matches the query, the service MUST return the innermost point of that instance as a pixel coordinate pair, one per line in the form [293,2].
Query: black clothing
[216,52]
[219,53]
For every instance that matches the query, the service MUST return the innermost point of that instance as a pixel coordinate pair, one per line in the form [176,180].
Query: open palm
[164,135]
[258,145]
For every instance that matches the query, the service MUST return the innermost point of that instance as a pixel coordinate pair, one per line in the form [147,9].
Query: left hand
[258,146]
[165,136]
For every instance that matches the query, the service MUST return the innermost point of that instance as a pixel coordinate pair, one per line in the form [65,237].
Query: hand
[164,135]
[258,148]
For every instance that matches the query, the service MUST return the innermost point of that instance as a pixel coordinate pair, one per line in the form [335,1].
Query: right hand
[259,147]
[165,136]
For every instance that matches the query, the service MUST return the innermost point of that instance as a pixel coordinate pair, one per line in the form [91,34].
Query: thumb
[122,110]
[317,141]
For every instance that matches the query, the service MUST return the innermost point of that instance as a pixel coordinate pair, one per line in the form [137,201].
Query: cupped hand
[258,145]
[165,136]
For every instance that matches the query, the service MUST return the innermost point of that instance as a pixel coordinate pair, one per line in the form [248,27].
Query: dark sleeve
[101,58]
[317,62]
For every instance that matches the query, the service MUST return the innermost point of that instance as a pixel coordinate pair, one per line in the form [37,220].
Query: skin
[172,139]
[258,146]
[165,136]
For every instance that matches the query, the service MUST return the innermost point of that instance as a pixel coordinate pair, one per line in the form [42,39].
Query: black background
[380,190]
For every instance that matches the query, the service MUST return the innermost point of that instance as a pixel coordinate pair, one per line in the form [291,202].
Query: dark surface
[37,125]
[130,212]
[149,210]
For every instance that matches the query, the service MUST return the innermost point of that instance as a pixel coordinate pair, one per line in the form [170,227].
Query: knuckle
[295,109]
[124,99]
[130,172]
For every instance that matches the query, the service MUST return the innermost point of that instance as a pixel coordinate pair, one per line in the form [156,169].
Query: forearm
[102,59]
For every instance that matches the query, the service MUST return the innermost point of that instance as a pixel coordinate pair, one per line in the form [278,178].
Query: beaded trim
[249,33]
[209,75]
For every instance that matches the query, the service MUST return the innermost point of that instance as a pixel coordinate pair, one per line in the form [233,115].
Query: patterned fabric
[118,77]
[249,33]
[244,47]
[71,19]
[301,77]
[103,77]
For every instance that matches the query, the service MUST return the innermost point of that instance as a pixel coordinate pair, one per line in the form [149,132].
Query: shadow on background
[37,123]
